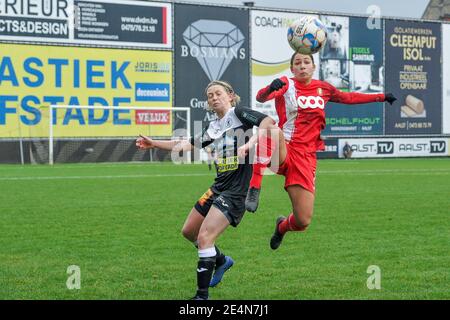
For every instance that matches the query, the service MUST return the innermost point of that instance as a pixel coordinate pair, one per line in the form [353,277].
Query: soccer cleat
[277,237]
[252,199]
[218,274]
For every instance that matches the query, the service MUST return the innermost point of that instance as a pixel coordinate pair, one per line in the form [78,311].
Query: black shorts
[232,206]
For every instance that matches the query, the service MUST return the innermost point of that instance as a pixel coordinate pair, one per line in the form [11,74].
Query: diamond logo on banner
[214,44]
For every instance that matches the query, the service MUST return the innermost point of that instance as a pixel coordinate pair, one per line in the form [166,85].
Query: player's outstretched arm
[144,143]
[358,98]
[266,93]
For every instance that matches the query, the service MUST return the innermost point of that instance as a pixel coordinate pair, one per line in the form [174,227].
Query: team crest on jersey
[228,123]
[319,91]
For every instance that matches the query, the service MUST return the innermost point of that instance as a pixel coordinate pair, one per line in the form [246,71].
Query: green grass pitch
[121,224]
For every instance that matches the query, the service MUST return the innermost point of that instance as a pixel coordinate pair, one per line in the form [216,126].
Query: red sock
[263,155]
[289,224]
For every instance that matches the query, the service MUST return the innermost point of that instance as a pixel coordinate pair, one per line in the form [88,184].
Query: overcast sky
[389,8]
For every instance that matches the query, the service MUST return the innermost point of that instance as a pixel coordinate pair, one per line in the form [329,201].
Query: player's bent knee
[274,129]
[205,240]
[188,234]
[303,221]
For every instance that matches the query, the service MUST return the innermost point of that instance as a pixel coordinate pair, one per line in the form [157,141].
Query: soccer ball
[307,35]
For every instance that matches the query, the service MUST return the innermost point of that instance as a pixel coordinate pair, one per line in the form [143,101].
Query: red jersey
[301,109]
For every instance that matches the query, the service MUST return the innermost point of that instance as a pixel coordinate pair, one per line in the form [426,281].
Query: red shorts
[299,168]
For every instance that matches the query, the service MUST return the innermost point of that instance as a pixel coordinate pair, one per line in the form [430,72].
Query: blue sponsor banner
[152,92]
[364,119]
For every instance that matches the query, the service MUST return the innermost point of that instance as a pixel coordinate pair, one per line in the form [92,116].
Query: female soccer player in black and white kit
[224,202]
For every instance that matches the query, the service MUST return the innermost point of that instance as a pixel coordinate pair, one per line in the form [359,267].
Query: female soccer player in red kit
[300,103]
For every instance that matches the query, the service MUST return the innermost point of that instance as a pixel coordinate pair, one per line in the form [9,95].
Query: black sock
[205,269]
[220,257]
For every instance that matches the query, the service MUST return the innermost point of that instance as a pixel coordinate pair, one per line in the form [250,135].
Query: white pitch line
[94,166]
[148,164]
[105,177]
[319,173]
[381,171]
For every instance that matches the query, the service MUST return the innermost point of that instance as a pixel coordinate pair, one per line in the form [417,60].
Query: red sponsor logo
[310,102]
[152,117]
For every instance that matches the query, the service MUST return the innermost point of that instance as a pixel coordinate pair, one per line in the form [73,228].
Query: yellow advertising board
[33,77]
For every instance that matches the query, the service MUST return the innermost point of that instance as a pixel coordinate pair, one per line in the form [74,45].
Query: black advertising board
[413,75]
[210,44]
[92,22]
